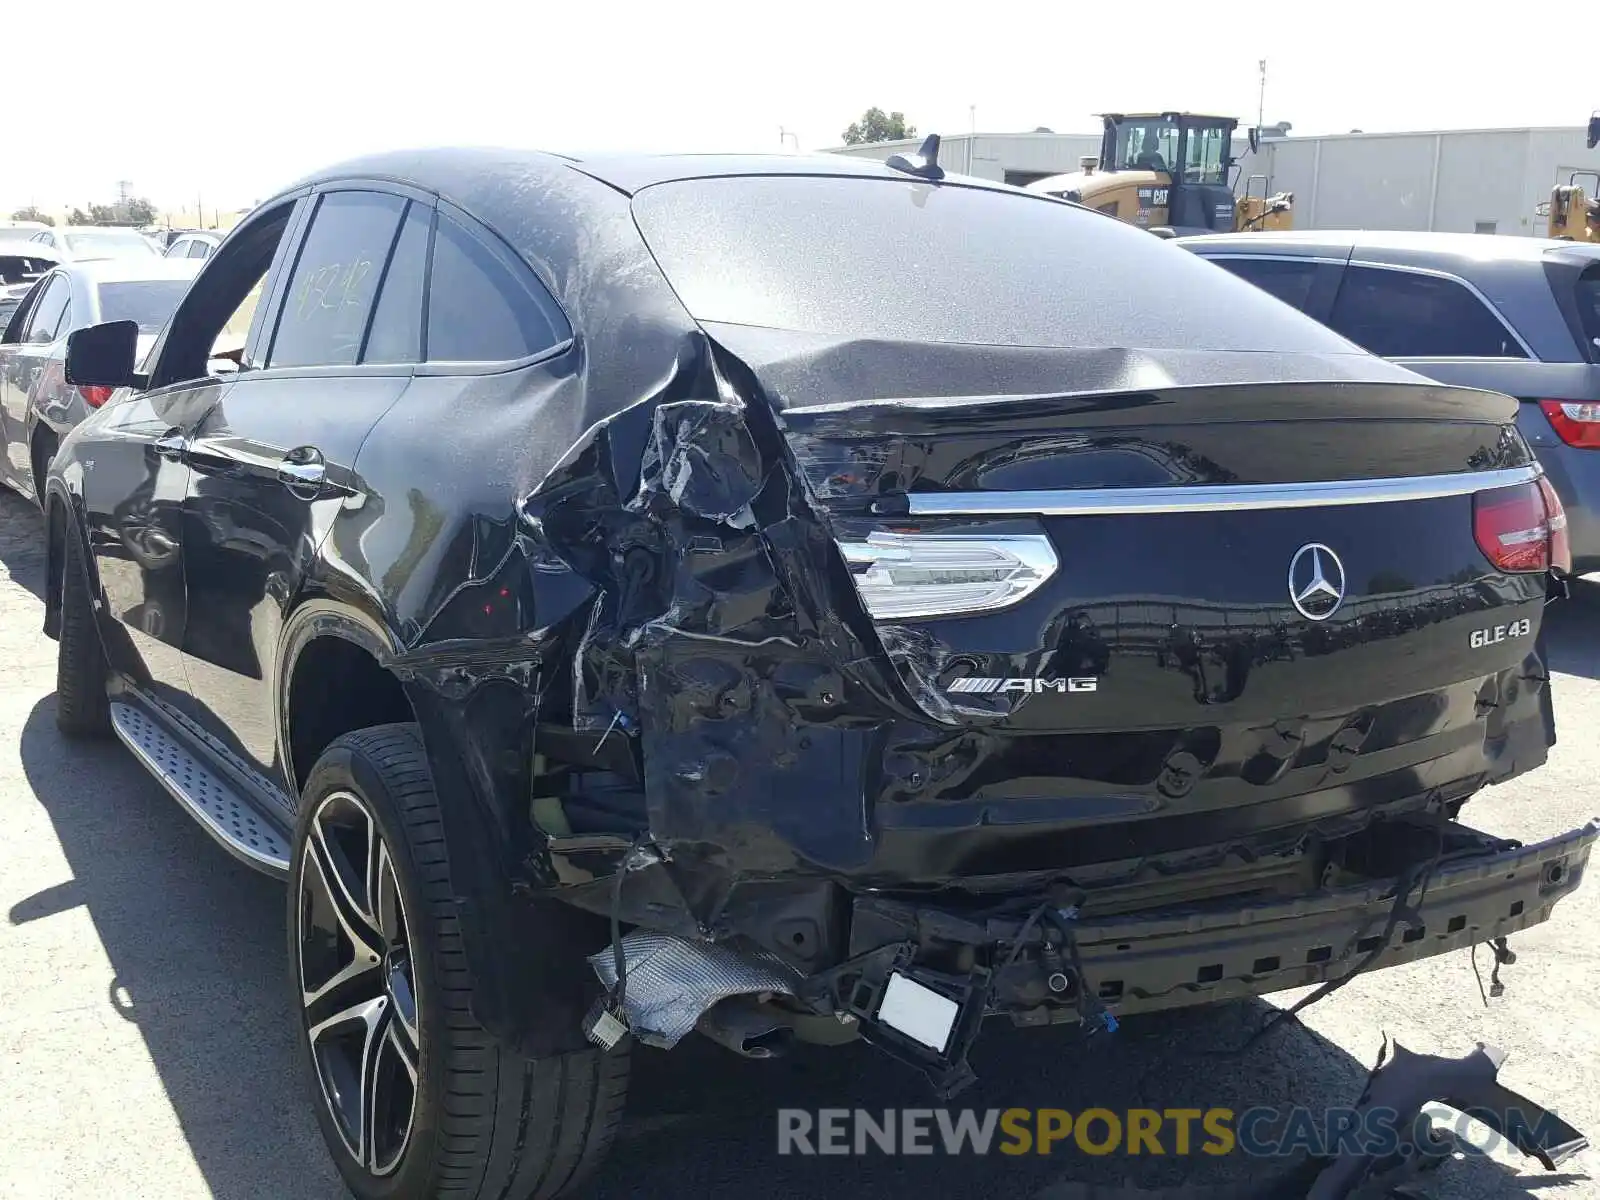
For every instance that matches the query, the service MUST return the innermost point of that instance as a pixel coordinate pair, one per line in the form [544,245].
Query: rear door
[273,462]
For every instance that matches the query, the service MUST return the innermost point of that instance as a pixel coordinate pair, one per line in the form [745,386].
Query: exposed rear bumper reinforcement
[922,991]
[1141,964]
[1062,969]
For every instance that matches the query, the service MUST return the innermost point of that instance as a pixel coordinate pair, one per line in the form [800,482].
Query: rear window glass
[115,242]
[909,261]
[148,302]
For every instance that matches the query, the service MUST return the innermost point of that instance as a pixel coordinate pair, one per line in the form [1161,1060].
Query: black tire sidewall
[344,767]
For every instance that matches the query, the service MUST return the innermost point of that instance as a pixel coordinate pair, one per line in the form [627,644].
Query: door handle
[304,472]
[172,445]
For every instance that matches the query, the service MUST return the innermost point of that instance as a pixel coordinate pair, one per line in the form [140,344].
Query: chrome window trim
[1095,502]
[1237,256]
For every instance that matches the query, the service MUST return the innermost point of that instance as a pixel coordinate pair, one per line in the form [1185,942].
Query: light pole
[785,135]
[1261,98]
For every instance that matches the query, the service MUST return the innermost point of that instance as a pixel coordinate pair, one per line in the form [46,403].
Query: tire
[484,1121]
[44,451]
[82,707]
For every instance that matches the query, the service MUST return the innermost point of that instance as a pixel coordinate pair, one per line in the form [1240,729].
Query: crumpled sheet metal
[673,980]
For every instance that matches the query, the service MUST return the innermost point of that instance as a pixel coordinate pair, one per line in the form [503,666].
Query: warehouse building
[1462,180]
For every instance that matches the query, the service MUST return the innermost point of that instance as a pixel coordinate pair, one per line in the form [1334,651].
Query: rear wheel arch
[526,952]
[60,523]
[333,682]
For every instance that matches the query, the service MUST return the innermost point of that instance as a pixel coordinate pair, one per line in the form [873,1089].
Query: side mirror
[102,355]
[1255,140]
[1594,131]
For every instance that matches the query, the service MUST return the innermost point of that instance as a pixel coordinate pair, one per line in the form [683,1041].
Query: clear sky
[233,100]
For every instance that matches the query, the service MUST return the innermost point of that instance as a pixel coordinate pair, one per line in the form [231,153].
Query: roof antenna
[924,163]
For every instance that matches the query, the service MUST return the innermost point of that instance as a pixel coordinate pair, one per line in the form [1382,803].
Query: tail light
[1522,527]
[1575,424]
[901,575]
[94,395]
[1556,518]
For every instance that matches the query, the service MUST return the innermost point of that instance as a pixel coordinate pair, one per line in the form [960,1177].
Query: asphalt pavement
[145,1045]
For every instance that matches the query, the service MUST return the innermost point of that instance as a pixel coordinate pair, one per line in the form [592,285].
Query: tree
[876,125]
[78,217]
[33,214]
[133,211]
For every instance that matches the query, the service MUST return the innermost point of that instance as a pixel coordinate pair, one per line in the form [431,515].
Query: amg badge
[1500,633]
[978,684]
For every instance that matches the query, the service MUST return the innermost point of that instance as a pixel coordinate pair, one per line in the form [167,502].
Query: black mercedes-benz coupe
[785,599]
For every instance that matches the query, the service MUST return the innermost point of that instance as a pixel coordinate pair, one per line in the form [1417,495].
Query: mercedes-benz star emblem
[1316,582]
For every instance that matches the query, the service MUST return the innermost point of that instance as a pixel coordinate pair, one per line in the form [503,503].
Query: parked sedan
[1509,314]
[196,244]
[894,600]
[37,406]
[96,241]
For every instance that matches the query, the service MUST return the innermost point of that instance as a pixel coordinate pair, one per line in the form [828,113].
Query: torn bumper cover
[920,979]
[1469,1085]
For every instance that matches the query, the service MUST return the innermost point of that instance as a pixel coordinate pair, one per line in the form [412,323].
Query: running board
[244,831]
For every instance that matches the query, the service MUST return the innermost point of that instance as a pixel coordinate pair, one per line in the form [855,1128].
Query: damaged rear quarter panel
[502,533]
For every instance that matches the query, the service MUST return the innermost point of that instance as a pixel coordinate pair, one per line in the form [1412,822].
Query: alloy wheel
[358,983]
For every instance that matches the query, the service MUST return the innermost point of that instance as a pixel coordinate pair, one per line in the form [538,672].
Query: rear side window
[396,335]
[1287,280]
[199,249]
[1401,314]
[1587,294]
[149,303]
[900,259]
[482,305]
[335,280]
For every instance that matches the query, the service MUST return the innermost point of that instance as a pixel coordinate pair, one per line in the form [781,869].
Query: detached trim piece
[1091,502]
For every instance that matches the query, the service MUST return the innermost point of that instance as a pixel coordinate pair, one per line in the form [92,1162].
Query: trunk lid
[1245,553]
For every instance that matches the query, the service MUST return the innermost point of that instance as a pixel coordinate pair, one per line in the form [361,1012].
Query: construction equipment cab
[1169,171]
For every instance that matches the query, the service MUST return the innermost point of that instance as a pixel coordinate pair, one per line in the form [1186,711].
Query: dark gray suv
[1510,314]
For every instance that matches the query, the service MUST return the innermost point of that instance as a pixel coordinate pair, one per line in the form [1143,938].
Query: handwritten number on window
[332,287]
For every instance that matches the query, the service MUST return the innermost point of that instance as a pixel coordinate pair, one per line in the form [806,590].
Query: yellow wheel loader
[1169,172]
[1574,217]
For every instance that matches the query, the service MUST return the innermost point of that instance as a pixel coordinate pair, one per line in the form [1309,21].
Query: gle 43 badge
[1501,633]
